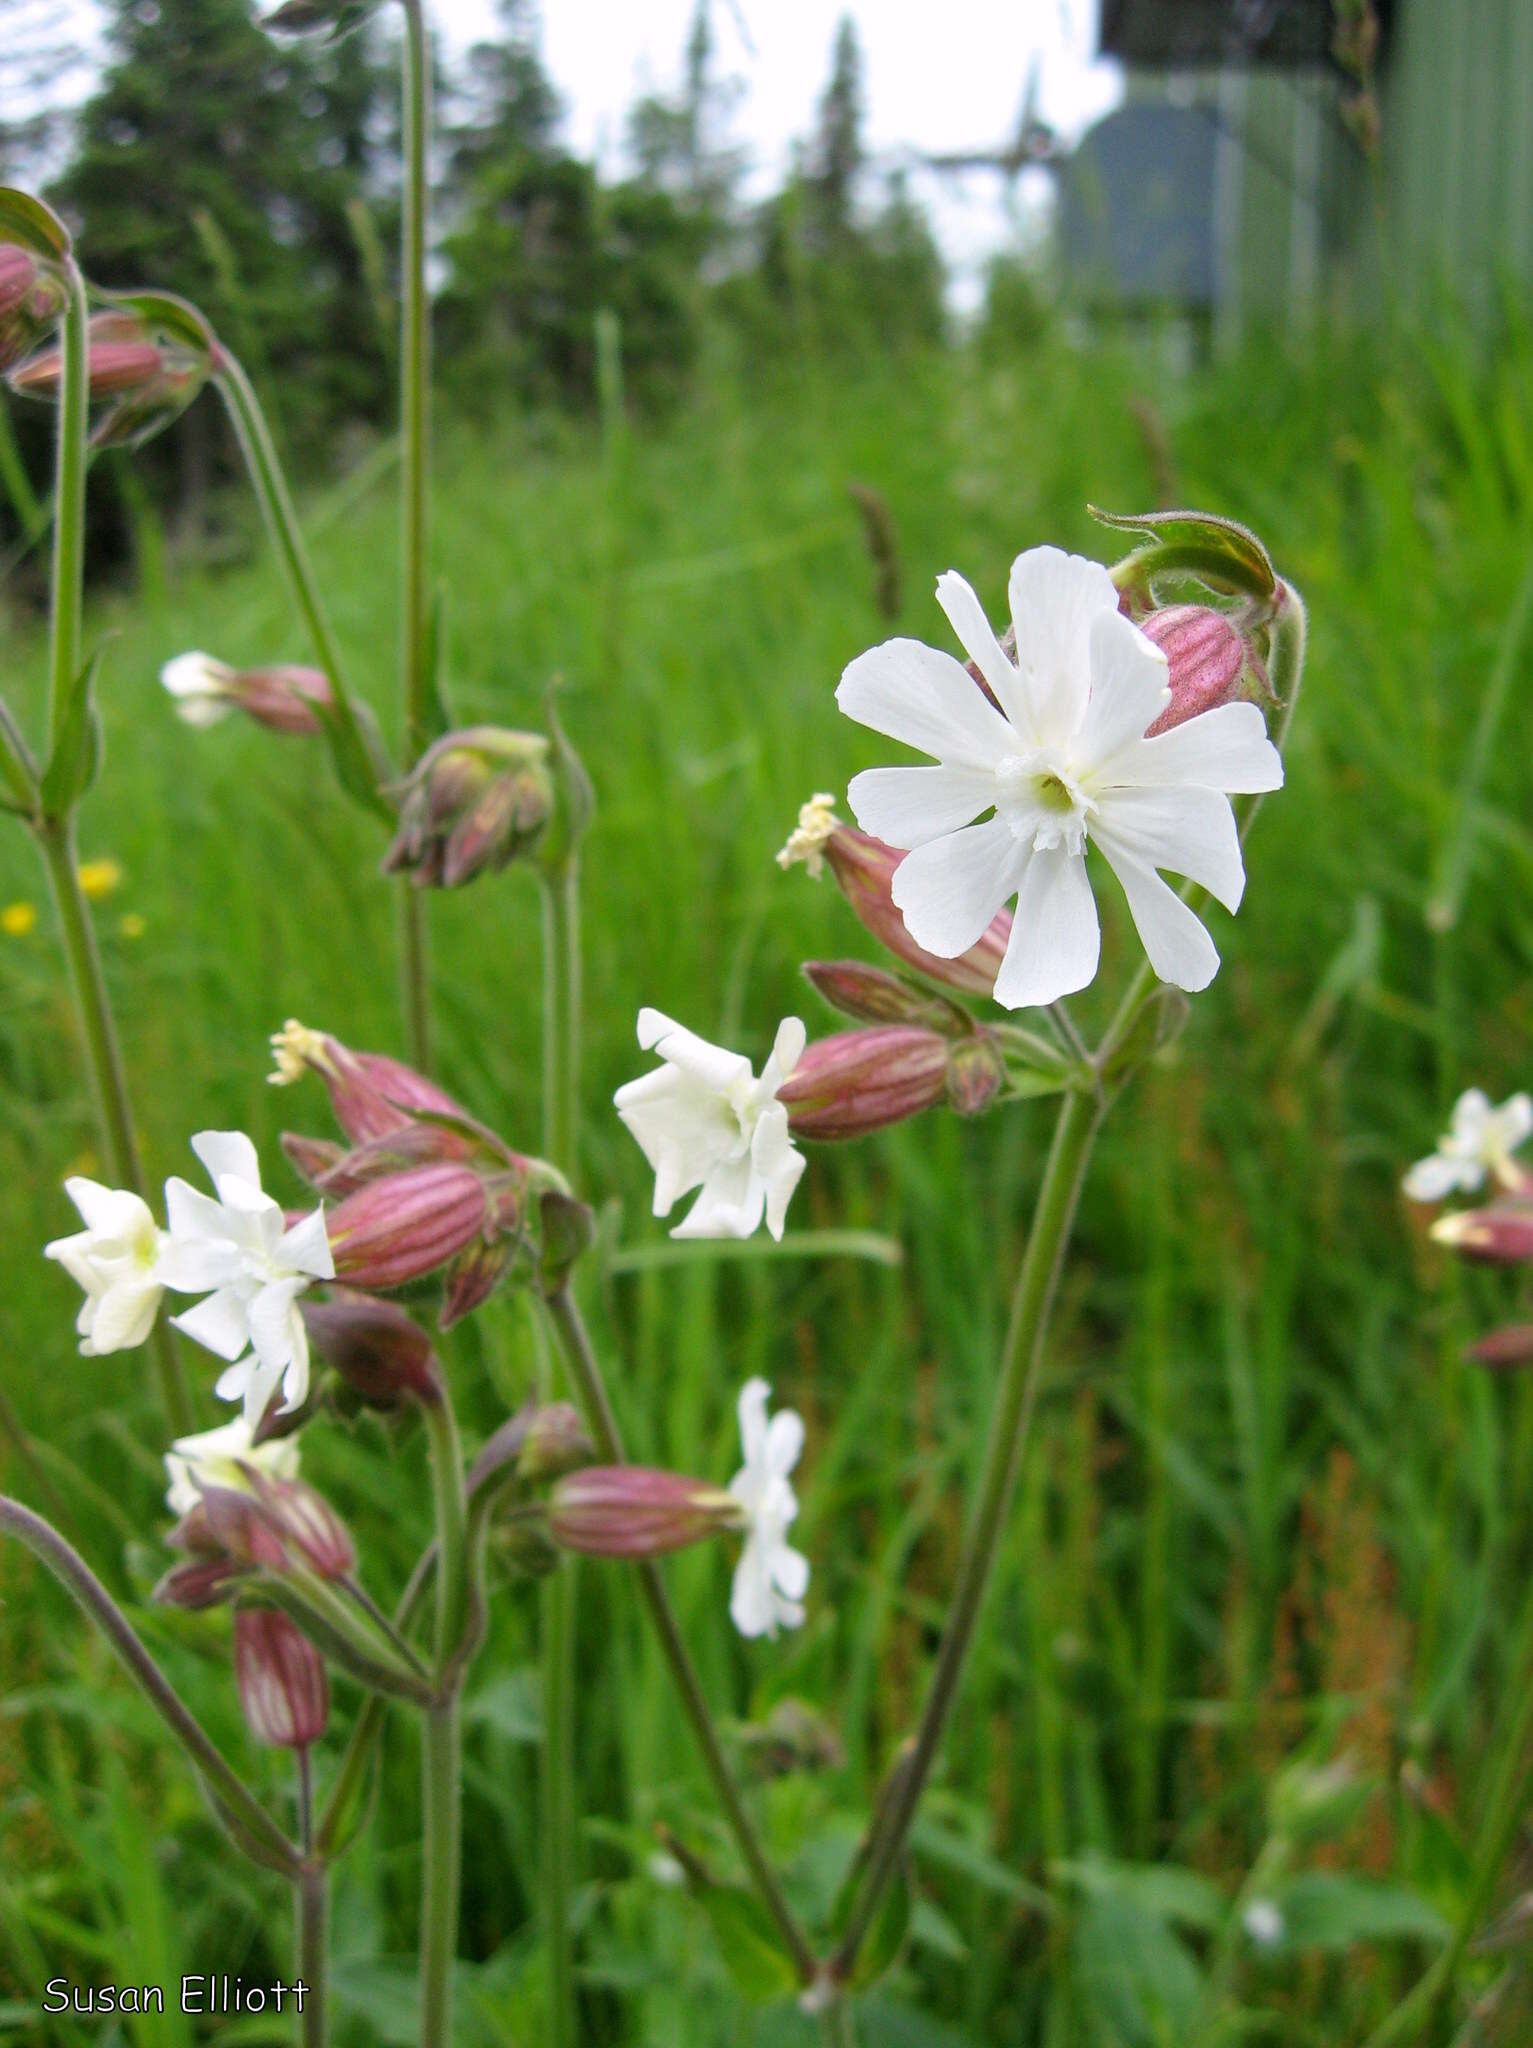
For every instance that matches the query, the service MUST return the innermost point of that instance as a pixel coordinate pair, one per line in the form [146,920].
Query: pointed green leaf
[28,224]
[17,768]
[1220,552]
[75,760]
[747,1941]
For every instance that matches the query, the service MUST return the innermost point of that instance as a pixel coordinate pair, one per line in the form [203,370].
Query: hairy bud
[875,996]
[370,1093]
[476,800]
[382,1354]
[556,1442]
[284,1694]
[859,1081]
[406,1225]
[1208,659]
[278,1525]
[281,697]
[1497,1236]
[31,299]
[976,1074]
[636,1511]
[145,376]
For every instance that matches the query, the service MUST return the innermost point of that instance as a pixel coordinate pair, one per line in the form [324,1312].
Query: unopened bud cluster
[477,799]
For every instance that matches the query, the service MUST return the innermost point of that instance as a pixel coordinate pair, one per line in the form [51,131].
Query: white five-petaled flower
[237,1251]
[772,1577]
[703,1120]
[1481,1139]
[222,1457]
[115,1258]
[200,686]
[1058,760]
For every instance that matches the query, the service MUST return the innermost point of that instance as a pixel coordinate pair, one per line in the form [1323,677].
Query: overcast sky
[938,78]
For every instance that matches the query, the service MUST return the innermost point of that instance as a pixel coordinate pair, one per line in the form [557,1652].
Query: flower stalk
[442,1734]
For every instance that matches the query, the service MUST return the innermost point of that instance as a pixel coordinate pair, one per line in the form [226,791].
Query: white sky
[938,78]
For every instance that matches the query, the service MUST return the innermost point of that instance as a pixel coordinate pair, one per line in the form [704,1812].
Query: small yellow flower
[99,878]
[17,919]
[131,926]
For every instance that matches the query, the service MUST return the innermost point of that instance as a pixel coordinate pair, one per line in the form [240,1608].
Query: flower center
[1041,800]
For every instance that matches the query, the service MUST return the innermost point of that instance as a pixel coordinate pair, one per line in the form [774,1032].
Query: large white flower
[1058,760]
[1481,1139]
[223,1457]
[772,1577]
[237,1251]
[115,1258]
[704,1120]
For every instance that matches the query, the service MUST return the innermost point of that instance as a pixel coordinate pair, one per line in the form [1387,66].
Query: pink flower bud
[635,1511]
[556,1443]
[1208,661]
[122,357]
[859,1081]
[976,1074]
[1497,1236]
[875,996]
[283,697]
[31,300]
[476,800]
[865,868]
[370,1093]
[281,1680]
[277,1526]
[406,1225]
[381,1353]
[1504,1348]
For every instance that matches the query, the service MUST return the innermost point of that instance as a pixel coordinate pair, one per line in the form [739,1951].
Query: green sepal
[17,768]
[177,318]
[1157,1023]
[568,1232]
[1220,552]
[356,753]
[574,794]
[27,224]
[75,760]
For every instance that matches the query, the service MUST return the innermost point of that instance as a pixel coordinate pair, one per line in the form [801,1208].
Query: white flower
[1480,1140]
[704,1120]
[1264,1923]
[200,686]
[806,842]
[219,1457]
[1063,761]
[771,1578]
[238,1248]
[115,1258]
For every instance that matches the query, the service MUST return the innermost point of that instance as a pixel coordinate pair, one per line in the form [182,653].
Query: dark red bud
[283,698]
[1497,1236]
[875,996]
[864,868]
[859,1081]
[635,1511]
[282,1686]
[406,1225]
[381,1353]
[1207,661]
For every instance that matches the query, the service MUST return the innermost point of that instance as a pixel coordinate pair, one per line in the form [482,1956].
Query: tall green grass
[1269,1519]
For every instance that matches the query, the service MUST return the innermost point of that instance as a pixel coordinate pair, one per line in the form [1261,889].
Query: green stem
[837,2023]
[1021,1367]
[311,1898]
[561,1048]
[69,504]
[591,1392]
[109,1085]
[345,1788]
[415,385]
[442,1734]
[77,1578]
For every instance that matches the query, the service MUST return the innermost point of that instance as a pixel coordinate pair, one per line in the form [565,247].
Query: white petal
[730,1205]
[926,700]
[233,1380]
[777,1165]
[790,1573]
[295,1381]
[219,1324]
[1056,940]
[1129,688]
[784,1441]
[966,616]
[1180,949]
[195,675]
[1226,748]
[1429,1180]
[1516,1115]
[260,1385]
[1190,831]
[228,1152]
[907,806]
[306,1248]
[752,1607]
[951,888]
[713,1065]
[108,1212]
[751,1412]
[1054,598]
[124,1315]
[1471,1113]
[788,1046]
[271,1324]
[194,1216]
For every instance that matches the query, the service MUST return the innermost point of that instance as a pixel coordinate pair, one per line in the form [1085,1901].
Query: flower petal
[1190,831]
[219,1324]
[751,1413]
[1054,599]
[907,806]
[788,1046]
[1056,940]
[124,1315]
[951,888]
[784,1441]
[966,616]
[228,1152]
[305,1248]
[752,1607]
[777,1164]
[927,700]
[271,1323]
[1179,947]
[1435,1177]
[714,1065]
[790,1574]
[1226,748]
[730,1204]
[1130,687]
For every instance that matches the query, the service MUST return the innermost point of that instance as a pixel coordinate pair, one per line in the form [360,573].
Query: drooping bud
[283,1691]
[1209,662]
[859,1081]
[262,1525]
[382,1354]
[976,1074]
[281,697]
[370,1093]
[32,297]
[636,1511]
[307,17]
[875,996]
[1496,1236]
[147,369]
[475,800]
[864,869]
[556,1443]
[406,1225]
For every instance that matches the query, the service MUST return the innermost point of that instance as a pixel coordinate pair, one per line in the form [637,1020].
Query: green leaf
[1220,552]
[28,224]
[16,767]
[1332,1909]
[357,754]
[75,760]
[884,1942]
[1136,1977]
[510,1706]
[747,1941]
[1183,1897]
[931,1844]
[1157,1023]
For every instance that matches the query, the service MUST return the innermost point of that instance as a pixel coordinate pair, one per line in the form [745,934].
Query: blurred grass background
[1269,1522]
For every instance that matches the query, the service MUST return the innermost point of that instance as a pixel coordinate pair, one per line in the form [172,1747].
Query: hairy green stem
[77,1578]
[591,1393]
[1021,1367]
[69,503]
[311,1904]
[442,1733]
[345,1788]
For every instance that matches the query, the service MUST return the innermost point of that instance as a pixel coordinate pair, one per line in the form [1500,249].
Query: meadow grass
[1268,1518]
